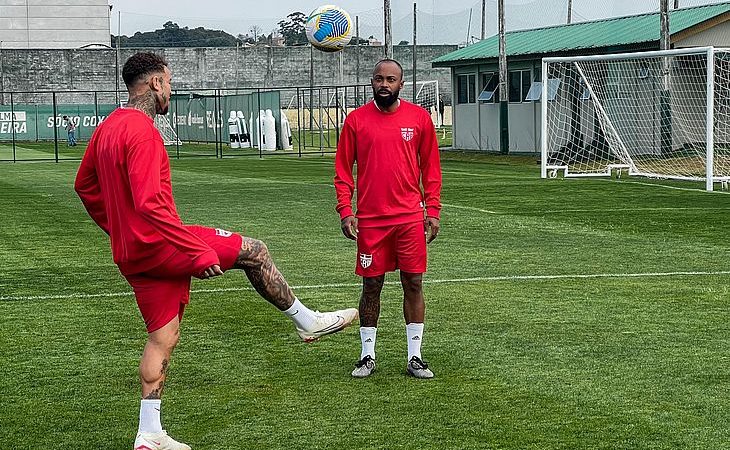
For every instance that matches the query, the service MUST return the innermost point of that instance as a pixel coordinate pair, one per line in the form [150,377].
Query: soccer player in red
[124,183]
[394,145]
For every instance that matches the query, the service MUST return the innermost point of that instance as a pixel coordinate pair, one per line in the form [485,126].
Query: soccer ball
[329,28]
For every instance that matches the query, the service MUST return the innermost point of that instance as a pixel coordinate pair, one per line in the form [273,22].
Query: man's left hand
[432,229]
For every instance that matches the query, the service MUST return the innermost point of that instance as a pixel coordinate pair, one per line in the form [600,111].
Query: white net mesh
[427,94]
[647,113]
[169,137]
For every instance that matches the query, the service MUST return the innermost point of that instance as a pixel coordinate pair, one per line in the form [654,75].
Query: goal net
[427,95]
[162,123]
[663,114]
[169,137]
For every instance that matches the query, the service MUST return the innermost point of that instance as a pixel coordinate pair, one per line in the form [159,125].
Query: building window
[519,85]
[490,88]
[462,89]
[535,92]
[466,88]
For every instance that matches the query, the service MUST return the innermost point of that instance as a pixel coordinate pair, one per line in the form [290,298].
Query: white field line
[676,188]
[577,179]
[470,208]
[426,281]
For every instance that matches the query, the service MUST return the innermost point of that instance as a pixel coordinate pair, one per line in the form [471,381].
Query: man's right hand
[212,271]
[349,227]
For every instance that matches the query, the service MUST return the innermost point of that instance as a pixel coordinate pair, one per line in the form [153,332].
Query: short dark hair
[140,65]
[386,60]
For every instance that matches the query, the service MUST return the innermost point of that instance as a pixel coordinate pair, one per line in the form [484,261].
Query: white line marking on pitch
[677,188]
[351,285]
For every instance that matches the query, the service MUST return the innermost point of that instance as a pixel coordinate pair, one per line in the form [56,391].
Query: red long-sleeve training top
[395,153]
[124,183]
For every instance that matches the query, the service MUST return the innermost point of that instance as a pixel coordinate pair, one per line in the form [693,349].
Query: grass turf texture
[521,362]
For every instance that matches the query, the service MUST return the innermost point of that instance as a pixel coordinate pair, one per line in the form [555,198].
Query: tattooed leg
[370,300]
[255,260]
[156,359]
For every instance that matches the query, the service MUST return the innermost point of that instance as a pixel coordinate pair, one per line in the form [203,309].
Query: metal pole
[570,11]
[468,27]
[311,85]
[665,109]
[414,52]
[299,124]
[664,38]
[503,97]
[236,64]
[218,149]
[484,19]
[12,122]
[2,75]
[357,49]
[388,30]
[177,129]
[259,127]
[55,126]
[119,33]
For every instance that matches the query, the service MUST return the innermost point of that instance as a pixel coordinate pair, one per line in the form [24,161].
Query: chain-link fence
[200,122]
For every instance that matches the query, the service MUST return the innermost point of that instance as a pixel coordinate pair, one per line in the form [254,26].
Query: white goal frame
[618,148]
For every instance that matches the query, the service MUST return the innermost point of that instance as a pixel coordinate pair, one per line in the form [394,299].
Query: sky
[439,21]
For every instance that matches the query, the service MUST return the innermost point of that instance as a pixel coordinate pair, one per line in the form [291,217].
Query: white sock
[302,316]
[367,336]
[149,416]
[414,332]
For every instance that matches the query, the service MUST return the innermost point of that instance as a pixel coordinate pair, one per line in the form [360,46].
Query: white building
[479,116]
[54,23]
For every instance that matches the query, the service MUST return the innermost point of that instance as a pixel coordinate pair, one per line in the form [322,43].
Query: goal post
[427,96]
[169,136]
[661,114]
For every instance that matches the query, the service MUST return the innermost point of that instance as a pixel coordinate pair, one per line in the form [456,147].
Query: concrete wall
[57,24]
[39,70]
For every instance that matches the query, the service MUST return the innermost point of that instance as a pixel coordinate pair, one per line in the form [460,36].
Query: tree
[292,29]
[171,35]
[403,43]
[256,31]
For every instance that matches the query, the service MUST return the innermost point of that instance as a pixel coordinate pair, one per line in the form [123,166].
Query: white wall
[53,23]
[717,36]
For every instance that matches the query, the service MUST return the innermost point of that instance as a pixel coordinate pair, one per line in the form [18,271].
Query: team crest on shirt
[407,133]
[223,233]
[366,260]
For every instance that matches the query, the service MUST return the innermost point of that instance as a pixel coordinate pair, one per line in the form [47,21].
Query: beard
[385,99]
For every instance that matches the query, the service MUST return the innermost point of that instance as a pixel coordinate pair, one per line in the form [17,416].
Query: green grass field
[561,314]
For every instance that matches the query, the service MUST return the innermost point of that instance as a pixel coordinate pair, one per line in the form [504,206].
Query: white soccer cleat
[418,368]
[364,368]
[328,323]
[158,441]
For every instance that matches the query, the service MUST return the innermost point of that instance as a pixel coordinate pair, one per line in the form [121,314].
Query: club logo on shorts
[365,260]
[407,134]
[223,233]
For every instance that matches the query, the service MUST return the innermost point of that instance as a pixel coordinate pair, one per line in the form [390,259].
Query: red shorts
[385,249]
[163,291]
